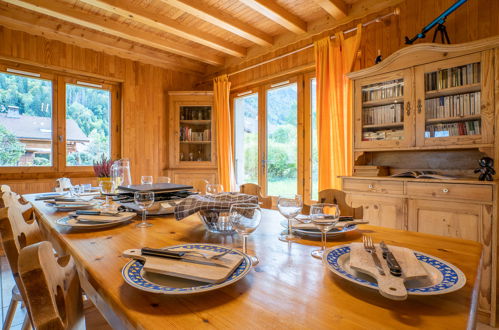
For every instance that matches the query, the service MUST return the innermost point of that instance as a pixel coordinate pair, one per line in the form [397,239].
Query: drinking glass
[289,206]
[107,188]
[144,200]
[324,216]
[86,188]
[245,218]
[213,189]
[146,179]
[75,191]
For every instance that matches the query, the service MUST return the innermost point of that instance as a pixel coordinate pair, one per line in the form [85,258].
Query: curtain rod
[376,20]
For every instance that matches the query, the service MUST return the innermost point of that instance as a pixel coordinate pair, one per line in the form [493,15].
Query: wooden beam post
[336,8]
[61,11]
[278,14]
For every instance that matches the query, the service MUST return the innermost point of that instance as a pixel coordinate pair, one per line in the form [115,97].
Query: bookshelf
[191,130]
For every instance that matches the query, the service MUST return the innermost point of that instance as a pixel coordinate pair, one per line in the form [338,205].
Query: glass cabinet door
[194,134]
[383,111]
[449,102]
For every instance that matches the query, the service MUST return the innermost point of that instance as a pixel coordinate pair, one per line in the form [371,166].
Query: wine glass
[245,218]
[324,216]
[144,200]
[107,189]
[146,179]
[214,188]
[289,206]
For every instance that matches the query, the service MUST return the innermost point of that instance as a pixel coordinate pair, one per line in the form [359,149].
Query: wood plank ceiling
[186,35]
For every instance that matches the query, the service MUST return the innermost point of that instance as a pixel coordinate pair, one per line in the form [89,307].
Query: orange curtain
[334,58]
[221,91]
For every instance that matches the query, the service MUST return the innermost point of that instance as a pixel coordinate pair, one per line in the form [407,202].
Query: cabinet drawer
[473,192]
[374,186]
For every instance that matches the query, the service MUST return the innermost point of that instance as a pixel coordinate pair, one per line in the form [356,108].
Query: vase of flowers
[102,169]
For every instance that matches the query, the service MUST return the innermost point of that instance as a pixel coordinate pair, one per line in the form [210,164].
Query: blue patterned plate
[157,283]
[443,278]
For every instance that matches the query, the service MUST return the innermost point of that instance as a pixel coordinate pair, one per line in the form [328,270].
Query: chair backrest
[53,292]
[17,229]
[200,186]
[9,197]
[256,190]
[163,179]
[338,197]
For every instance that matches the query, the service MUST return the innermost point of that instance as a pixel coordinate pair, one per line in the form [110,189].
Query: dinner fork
[371,249]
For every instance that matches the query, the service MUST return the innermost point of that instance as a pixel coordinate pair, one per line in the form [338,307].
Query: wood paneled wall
[476,19]
[144,97]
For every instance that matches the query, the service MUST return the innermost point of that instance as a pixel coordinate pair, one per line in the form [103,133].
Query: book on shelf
[397,134]
[385,90]
[467,104]
[471,127]
[423,175]
[385,114]
[453,77]
[187,135]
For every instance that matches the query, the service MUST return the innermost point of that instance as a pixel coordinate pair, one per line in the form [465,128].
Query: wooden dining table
[288,289]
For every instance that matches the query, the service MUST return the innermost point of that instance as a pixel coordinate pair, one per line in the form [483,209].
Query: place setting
[198,267]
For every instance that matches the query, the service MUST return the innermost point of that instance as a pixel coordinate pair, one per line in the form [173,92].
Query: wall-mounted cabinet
[439,104]
[191,136]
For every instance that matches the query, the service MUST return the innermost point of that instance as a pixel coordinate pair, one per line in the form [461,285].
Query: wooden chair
[338,197]
[53,291]
[200,186]
[164,179]
[256,190]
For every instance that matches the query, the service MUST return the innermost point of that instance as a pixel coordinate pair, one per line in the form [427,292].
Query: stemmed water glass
[324,216]
[144,200]
[146,179]
[245,218]
[107,189]
[214,188]
[289,206]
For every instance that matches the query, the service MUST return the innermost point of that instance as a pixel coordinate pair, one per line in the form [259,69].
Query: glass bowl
[217,221]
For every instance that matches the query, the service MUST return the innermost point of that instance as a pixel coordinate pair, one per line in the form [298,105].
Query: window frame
[303,126]
[59,80]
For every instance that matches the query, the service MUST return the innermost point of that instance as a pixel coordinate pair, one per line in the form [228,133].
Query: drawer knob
[445,190]
[371,186]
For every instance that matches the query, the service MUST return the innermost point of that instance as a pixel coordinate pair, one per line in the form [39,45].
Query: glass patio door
[280,157]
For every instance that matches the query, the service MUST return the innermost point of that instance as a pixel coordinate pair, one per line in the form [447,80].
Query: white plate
[73,223]
[170,285]
[316,233]
[443,277]
[72,207]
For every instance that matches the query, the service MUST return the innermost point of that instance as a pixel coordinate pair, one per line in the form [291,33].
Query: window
[246,138]
[25,121]
[88,114]
[282,140]
[33,133]
[314,154]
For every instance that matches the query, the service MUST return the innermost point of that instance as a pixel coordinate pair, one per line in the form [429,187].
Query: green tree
[11,149]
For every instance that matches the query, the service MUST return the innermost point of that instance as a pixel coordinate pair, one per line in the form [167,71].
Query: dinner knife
[88,212]
[394,266]
[177,255]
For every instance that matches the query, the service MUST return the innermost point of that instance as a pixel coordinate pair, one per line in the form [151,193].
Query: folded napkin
[219,202]
[105,218]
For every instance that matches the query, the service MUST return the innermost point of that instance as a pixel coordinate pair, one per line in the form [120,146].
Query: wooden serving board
[389,286]
[188,268]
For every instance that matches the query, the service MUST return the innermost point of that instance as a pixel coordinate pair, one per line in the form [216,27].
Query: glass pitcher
[120,172]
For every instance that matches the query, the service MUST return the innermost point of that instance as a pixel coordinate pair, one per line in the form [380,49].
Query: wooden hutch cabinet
[431,107]
[192,153]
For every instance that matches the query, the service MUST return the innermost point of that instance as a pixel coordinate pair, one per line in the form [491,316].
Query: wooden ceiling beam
[223,21]
[278,14]
[61,11]
[49,28]
[336,8]
[164,24]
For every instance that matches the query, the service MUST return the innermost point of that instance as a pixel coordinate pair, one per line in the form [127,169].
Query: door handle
[419,105]
[408,108]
